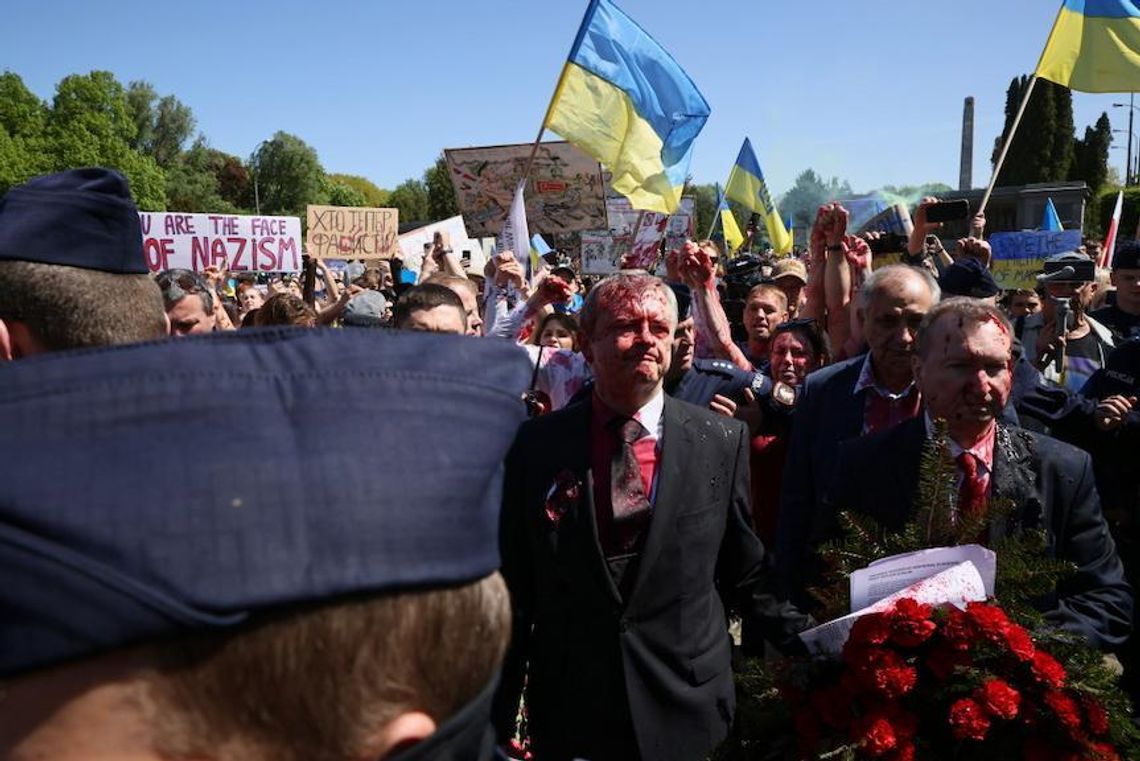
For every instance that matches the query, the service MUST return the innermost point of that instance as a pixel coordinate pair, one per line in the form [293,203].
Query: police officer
[1123,317]
[318,597]
[697,381]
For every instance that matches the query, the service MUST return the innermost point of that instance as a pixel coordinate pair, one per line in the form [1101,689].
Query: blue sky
[870,91]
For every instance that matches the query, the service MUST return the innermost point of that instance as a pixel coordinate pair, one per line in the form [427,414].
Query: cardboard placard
[349,232]
[636,233]
[564,193]
[227,241]
[1019,257]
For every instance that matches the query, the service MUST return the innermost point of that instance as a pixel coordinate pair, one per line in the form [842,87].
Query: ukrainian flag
[1094,47]
[746,186]
[625,101]
[733,239]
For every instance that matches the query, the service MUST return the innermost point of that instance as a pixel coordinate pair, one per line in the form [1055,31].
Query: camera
[888,243]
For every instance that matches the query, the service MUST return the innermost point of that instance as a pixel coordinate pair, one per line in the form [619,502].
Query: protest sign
[893,219]
[412,242]
[1018,257]
[564,192]
[227,241]
[636,233]
[347,232]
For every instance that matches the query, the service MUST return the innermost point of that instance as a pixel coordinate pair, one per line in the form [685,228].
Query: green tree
[163,124]
[1042,150]
[1090,155]
[89,125]
[440,191]
[809,192]
[343,194]
[193,182]
[411,198]
[287,175]
[374,196]
[22,119]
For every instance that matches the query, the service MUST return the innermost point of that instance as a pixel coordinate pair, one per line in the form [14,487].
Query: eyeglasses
[190,282]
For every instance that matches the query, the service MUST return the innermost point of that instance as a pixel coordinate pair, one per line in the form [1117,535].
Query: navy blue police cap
[684,296]
[78,218]
[968,277]
[1127,255]
[160,489]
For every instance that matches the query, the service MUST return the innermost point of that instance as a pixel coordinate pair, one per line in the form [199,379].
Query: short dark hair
[810,331]
[177,284]
[314,684]
[285,309]
[423,298]
[966,309]
[73,307]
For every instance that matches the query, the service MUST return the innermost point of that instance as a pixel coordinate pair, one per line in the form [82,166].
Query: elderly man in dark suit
[625,535]
[963,369]
[870,392]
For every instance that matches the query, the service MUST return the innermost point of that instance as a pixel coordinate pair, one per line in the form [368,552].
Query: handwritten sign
[565,192]
[229,241]
[637,234]
[346,232]
[1018,257]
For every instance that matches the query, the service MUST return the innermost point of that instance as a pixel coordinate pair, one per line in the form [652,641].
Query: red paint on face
[630,346]
[970,383]
[791,358]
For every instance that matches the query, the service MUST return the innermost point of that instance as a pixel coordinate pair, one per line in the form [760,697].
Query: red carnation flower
[968,721]
[1020,644]
[904,752]
[910,623]
[880,671]
[1103,752]
[875,734]
[988,621]
[999,699]
[1066,711]
[871,629]
[956,629]
[1047,670]
[1095,715]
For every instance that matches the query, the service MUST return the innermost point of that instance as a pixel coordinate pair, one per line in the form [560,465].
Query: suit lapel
[1013,480]
[589,546]
[675,445]
[851,412]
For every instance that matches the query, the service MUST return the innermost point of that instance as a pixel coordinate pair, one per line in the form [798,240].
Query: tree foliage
[1043,150]
[374,196]
[163,125]
[1090,155]
[288,175]
[440,191]
[411,198]
[808,193]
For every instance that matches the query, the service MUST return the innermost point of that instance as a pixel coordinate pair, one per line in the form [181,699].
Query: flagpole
[716,214]
[557,90]
[1005,145]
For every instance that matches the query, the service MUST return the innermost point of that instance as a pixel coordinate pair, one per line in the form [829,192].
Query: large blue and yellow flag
[1094,47]
[733,238]
[746,186]
[625,101]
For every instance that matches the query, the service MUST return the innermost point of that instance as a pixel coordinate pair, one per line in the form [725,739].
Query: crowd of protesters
[692,439]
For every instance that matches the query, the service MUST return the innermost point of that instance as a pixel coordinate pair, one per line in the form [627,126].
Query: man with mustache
[866,393]
[625,534]
[963,369]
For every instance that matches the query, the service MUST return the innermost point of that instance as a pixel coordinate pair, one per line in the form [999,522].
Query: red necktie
[627,491]
[972,492]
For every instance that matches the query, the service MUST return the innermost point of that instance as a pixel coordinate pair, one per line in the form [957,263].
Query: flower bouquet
[909,678]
